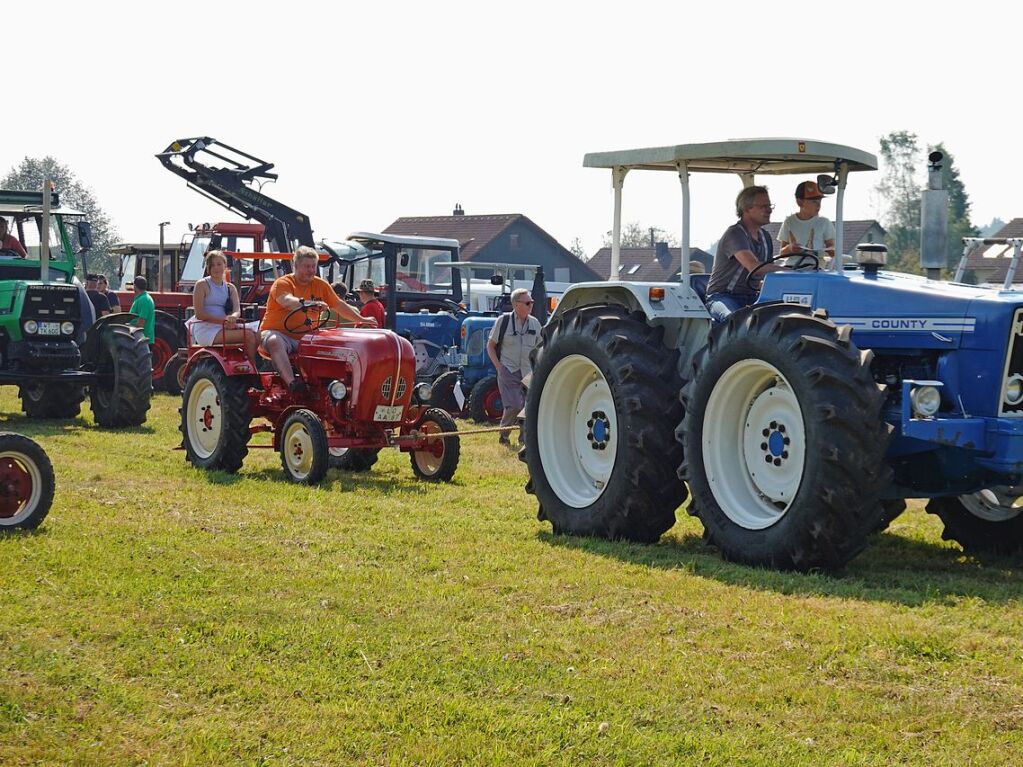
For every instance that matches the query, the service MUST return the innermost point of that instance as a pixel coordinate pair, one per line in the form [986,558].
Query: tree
[578,250]
[959,225]
[900,194]
[636,236]
[30,176]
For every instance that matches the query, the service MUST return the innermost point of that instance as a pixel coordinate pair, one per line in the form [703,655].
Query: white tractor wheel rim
[754,444]
[298,450]
[337,452]
[29,505]
[428,462]
[205,418]
[577,431]
[996,504]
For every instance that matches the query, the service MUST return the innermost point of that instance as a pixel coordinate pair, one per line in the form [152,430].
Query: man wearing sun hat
[371,306]
[806,228]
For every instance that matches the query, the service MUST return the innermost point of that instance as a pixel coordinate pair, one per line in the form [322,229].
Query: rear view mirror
[496,279]
[84,235]
[827,183]
[403,259]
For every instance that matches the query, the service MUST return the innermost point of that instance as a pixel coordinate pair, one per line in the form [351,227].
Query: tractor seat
[698,282]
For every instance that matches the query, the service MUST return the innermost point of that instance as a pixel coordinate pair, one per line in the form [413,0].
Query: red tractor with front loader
[361,397]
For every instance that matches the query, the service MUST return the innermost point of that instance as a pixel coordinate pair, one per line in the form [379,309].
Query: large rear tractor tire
[51,400]
[303,448]
[484,403]
[121,397]
[26,483]
[215,418]
[600,414]
[169,338]
[986,522]
[784,440]
[438,461]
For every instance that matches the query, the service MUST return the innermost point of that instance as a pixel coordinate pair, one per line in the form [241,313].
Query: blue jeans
[720,305]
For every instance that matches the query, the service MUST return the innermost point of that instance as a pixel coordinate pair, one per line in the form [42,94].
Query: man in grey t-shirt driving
[743,247]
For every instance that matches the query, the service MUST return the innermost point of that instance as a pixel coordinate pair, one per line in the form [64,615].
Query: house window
[562,274]
[513,241]
[620,267]
[634,269]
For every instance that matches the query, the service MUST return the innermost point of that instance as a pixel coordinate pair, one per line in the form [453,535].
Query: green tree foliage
[635,235]
[30,175]
[900,193]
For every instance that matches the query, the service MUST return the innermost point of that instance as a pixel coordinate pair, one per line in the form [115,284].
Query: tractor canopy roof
[776,156]
[440,243]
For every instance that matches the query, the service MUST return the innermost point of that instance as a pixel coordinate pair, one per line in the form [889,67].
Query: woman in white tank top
[213,323]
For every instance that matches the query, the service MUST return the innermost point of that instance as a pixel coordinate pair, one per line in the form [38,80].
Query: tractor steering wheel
[314,317]
[433,304]
[9,253]
[814,263]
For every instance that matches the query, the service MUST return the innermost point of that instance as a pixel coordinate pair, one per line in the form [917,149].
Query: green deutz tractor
[51,345]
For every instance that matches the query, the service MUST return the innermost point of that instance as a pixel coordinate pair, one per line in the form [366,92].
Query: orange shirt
[317,290]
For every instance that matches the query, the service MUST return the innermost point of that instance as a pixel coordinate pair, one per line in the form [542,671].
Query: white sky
[372,111]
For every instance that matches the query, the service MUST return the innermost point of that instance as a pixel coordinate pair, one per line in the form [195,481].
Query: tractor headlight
[67,328]
[337,390]
[424,391]
[925,401]
[1014,390]
[31,327]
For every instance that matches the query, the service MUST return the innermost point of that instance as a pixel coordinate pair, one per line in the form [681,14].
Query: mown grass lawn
[166,616]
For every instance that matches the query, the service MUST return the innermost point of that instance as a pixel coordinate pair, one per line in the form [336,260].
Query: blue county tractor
[797,426]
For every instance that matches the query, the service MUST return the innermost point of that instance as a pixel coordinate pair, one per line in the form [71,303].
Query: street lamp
[159,260]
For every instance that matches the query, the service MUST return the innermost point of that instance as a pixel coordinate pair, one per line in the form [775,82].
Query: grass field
[165,616]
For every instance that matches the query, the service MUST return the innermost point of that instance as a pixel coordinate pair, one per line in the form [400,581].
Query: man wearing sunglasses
[742,248]
[511,340]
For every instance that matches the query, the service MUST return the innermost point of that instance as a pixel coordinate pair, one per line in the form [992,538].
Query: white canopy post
[617,180]
[843,173]
[44,238]
[683,179]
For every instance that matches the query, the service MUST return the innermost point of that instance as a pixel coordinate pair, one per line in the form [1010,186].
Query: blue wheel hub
[599,426]
[775,445]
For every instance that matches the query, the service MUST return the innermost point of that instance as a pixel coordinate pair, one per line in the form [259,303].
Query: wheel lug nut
[763,446]
[766,433]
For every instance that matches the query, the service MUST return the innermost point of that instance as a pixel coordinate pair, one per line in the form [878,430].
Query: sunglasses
[527,303]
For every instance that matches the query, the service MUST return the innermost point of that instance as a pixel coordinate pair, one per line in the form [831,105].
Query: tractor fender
[214,352]
[681,312]
[90,347]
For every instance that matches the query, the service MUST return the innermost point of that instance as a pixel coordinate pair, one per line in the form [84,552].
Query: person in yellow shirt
[292,291]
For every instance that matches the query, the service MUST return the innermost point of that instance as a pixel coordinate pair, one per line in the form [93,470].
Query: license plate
[463,359]
[387,413]
[49,328]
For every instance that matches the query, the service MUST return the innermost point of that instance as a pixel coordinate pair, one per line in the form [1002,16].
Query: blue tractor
[799,425]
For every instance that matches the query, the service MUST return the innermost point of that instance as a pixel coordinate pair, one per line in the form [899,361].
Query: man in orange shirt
[292,291]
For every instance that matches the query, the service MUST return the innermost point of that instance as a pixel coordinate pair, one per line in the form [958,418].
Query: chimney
[458,210]
[662,254]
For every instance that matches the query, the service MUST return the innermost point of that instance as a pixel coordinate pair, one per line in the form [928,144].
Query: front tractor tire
[169,338]
[600,413]
[303,448]
[784,440]
[121,397]
[438,460]
[26,483]
[986,522]
[215,418]
[485,405]
[51,400]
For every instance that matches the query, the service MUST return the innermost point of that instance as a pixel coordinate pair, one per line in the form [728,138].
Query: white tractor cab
[610,410]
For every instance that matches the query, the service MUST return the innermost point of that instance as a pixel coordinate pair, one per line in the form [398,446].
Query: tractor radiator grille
[54,303]
[1013,365]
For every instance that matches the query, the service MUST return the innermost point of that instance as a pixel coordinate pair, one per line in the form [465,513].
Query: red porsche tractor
[360,399]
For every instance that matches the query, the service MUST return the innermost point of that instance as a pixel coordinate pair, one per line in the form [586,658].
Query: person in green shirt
[144,307]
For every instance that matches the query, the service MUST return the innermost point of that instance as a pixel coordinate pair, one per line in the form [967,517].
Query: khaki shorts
[291,344]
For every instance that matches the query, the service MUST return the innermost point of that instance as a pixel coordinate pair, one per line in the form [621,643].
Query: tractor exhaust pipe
[934,219]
